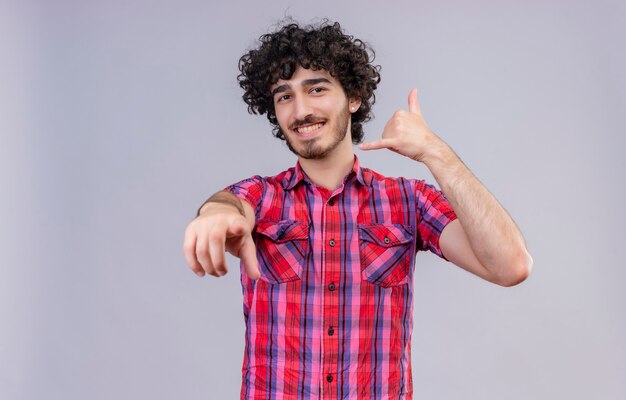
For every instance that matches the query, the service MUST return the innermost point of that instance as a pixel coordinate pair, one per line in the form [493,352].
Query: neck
[330,171]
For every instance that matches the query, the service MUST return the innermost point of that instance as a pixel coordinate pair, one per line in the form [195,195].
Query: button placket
[331,218]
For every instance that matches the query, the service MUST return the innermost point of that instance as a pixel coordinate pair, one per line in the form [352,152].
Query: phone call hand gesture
[407,133]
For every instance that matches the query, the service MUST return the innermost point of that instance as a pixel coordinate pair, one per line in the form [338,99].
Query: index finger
[247,255]
[216,252]
[189,249]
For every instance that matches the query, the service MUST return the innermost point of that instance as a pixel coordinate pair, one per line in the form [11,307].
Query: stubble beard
[312,150]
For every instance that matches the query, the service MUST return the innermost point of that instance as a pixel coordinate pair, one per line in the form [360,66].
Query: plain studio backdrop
[118,119]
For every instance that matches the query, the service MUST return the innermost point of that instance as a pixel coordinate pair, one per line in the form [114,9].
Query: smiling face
[313,112]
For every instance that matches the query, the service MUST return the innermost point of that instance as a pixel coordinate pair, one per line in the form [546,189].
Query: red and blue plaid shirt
[331,315]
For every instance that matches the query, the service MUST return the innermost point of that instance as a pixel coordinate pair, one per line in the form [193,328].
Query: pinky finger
[376,144]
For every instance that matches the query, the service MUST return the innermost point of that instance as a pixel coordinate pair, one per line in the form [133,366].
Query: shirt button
[386,240]
[329,378]
[331,202]
[331,331]
[331,287]
[332,243]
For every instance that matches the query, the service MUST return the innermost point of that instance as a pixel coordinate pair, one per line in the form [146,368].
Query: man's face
[313,112]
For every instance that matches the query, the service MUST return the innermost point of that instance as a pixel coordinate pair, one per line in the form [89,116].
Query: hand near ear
[406,133]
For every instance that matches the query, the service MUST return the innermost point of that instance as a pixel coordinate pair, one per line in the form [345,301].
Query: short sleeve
[434,212]
[250,190]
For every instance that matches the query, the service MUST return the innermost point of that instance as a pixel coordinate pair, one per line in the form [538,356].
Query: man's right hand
[219,228]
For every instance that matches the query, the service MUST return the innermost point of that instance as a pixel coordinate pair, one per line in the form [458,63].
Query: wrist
[438,154]
[222,198]
[447,168]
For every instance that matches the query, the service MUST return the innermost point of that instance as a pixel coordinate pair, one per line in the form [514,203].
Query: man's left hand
[407,133]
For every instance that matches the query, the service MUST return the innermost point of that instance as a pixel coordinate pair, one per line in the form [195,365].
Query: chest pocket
[282,247]
[387,253]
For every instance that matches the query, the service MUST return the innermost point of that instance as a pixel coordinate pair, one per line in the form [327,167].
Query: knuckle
[190,258]
[216,235]
[203,258]
[202,248]
[188,248]
[218,263]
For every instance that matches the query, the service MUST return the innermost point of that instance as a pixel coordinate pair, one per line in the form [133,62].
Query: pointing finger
[236,228]
[203,256]
[247,254]
[189,249]
[216,252]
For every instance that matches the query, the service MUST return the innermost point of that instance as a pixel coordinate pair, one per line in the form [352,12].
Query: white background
[118,118]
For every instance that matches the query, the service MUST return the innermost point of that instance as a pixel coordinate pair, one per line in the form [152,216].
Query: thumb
[414,105]
[247,255]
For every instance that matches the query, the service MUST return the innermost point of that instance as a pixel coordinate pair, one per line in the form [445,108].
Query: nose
[302,107]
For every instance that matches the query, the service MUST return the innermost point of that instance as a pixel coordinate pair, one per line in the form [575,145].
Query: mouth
[309,129]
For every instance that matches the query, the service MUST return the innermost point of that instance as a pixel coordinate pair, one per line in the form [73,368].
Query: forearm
[492,234]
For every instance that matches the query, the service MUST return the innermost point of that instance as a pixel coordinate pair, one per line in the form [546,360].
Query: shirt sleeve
[250,190]
[434,212]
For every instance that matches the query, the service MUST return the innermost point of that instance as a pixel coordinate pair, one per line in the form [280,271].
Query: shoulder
[420,188]
[379,179]
[263,182]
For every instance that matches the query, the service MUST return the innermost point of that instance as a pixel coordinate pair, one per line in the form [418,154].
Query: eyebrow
[305,83]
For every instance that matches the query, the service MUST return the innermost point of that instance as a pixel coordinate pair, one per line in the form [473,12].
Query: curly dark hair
[321,47]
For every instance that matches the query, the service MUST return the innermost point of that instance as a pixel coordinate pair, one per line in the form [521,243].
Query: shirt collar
[296,175]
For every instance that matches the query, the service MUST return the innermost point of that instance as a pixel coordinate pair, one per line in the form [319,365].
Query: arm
[484,240]
[223,223]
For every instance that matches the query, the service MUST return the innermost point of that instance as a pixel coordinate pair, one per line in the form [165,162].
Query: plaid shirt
[331,315]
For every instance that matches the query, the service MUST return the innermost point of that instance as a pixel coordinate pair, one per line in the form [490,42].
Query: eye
[317,90]
[282,98]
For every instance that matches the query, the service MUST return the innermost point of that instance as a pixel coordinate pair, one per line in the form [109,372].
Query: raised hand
[406,133]
[218,229]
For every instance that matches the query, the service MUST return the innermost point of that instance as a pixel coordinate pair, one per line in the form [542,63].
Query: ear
[353,104]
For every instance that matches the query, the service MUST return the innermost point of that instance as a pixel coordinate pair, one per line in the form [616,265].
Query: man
[328,247]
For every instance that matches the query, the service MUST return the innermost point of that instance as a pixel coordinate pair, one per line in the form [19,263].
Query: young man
[328,247]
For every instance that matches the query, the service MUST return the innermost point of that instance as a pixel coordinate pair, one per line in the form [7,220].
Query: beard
[311,150]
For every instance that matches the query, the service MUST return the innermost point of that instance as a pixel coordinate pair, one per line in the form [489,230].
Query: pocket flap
[386,235]
[283,231]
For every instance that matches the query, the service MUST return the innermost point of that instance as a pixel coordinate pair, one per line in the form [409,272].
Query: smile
[309,128]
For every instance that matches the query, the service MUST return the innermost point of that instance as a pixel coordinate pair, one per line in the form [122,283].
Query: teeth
[309,128]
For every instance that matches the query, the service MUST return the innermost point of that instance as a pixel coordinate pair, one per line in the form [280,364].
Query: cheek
[281,115]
